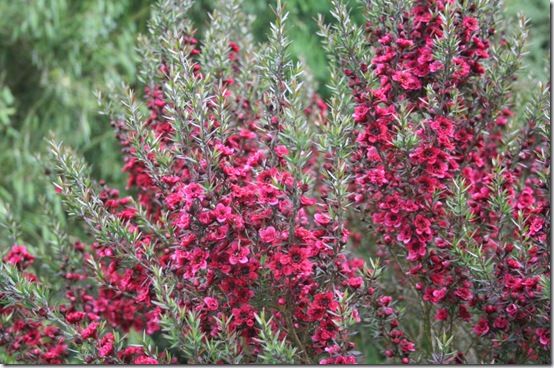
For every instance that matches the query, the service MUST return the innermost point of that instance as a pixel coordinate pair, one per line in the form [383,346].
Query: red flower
[322,303]
[143,359]
[322,219]
[407,80]
[426,185]
[238,254]
[481,328]
[442,314]
[211,303]
[19,256]
[298,262]
[197,261]
[54,354]
[513,263]
[464,294]
[442,126]
[375,132]
[244,315]
[74,317]
[423,226]
[106,345]
[268,235]
[90,331]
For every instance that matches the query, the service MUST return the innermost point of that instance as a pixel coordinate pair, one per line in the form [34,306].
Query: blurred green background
[54,55]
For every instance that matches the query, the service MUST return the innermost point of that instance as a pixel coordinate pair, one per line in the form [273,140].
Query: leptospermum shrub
[249,195]
[454,185]
[222,255]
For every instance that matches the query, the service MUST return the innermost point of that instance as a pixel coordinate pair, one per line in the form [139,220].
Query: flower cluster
[441,186]
[23,337]
[239,210]
[223,229]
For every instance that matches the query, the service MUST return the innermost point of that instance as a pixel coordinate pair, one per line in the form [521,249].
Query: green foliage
[538,12]
[54,55]
[274,350]
[6,106]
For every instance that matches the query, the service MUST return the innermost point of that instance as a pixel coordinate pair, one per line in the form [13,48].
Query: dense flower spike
[445,189]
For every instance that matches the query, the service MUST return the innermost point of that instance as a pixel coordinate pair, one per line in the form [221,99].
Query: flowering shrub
[246,189]
[456,189]
[223,231]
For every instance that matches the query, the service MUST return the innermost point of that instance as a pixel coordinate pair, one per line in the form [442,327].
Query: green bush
[54,54]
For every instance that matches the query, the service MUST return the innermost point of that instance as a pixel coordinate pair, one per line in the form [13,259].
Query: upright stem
[427,330]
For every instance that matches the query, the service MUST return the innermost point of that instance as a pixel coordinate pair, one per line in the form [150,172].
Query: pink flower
[106,345]
[512,309]
[238,254]
[211,303]
[269,195]
[222,213]
[407,346]
[435,66]
[360,113]
[355,282]
[544,336]
[281,151]
[404,43]
[268,235]
[481,328]
[19,256]
[501,323]
[438,295]
[193,191]
[471,24]
[322,219]
[90,331]
[513,263]
[143,359]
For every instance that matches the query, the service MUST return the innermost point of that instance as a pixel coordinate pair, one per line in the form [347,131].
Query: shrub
[248,193]
[455,187]
[223,231]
